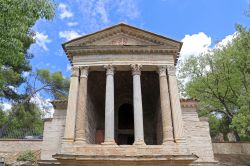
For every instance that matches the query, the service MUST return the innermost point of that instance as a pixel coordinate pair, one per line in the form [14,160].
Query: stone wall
[53,133]
[90,122]
[232,148]
[158,119]
[197,134]
[10,149]
[16,145]
[232,153]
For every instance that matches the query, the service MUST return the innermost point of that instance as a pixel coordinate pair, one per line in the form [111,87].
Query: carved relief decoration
[120,35]
[171,70]
[136,69]
[109,69]
[162,71]
[84,71]
[74,71]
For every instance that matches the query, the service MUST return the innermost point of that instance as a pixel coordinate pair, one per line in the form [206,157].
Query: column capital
[84,71]
[75,71]
[136,69]
[162,71]
[171,70]
[110,69]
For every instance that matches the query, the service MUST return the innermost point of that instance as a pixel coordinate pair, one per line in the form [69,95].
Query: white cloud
[71,24]
[26,74]
[44,105]
[195,44]
[101,10]
[42,40]
[227,40]
[128,9]
[97,13]
[68,35]
[68,67]
[6,106]
[64,11]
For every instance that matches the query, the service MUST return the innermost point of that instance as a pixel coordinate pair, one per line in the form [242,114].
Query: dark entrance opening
[125,125]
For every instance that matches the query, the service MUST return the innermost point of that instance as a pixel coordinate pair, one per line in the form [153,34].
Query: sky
[199,24]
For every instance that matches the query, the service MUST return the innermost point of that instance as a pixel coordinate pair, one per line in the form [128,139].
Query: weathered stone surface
[10,149]
[166,114]
[53,134]
[232,153]
[82,106]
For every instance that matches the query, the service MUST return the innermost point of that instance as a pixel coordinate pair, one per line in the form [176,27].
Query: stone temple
[123,106]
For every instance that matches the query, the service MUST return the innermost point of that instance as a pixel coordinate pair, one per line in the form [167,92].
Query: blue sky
[198,23]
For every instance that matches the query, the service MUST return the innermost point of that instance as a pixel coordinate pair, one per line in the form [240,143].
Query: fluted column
[165,106]
[69,132]
[137,102]
[109,106]
[82,106]
[176,105]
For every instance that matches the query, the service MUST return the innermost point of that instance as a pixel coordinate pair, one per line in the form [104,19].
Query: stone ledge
[48,162]
[126,158]
[18,140]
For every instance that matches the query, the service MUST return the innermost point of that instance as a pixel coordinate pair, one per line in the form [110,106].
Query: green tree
[28,121]
[44,82]
[16,19]
[55,83]
[220,80]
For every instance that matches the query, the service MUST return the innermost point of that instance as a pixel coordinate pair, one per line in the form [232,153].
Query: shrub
[26,156]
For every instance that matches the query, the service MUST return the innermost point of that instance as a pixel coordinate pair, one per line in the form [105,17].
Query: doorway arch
[125,124]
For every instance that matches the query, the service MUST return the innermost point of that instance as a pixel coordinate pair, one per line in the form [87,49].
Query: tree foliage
[56,85]
[27,121]
[16,19]
[42,81]
[220,80]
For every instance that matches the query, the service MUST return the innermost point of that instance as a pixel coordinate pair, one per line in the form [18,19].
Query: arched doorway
[125,125]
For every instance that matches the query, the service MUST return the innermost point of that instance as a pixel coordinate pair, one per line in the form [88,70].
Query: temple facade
[123,106]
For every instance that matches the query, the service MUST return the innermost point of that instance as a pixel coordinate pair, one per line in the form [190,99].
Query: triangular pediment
[123,34]
[122,39]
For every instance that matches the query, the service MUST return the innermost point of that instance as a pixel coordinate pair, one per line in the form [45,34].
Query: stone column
[69,133]
[137,102]
[109,106]
[165,106]
[82,106]
[176,105]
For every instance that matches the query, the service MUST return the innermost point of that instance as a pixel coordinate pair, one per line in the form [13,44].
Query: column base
[139,142]
[80,141]
[109,142]
[168,141]
[67,140]
[180,140]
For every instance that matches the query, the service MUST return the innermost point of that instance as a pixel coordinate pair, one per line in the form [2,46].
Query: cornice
[125,29]
[59,104]
[189,103]
[87,42]
[132,49]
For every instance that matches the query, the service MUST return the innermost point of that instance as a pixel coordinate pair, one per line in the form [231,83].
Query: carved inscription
[120,41]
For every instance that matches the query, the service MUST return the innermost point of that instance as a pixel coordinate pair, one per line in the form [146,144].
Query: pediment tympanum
[122,39]
[123,34]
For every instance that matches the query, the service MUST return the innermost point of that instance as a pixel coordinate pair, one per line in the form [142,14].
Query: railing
[14,133]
